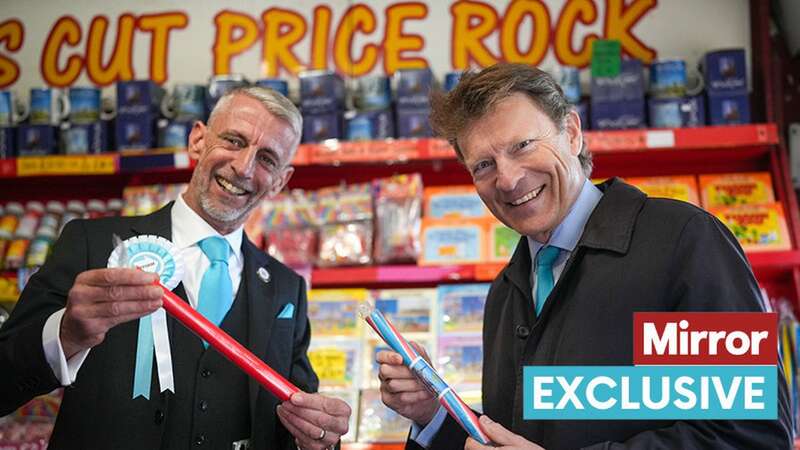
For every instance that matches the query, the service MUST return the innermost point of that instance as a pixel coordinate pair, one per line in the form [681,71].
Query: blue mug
[221,85]
[451,80]
[48,106]
[9,109]
[186,102]
[373,92]
[276,84]
[84,105]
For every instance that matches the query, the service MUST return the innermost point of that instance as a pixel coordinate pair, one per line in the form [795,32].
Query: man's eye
[522,145]
[236,142]
[267,161]
[481,166]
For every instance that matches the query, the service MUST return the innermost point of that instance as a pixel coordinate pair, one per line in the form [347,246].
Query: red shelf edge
[771,262]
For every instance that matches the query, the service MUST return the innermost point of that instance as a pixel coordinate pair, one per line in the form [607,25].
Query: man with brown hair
[589,257]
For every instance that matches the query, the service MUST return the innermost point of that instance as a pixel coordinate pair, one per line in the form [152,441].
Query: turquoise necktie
[216,289]
[544,275]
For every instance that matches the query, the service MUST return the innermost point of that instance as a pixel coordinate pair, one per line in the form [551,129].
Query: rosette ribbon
[158,255]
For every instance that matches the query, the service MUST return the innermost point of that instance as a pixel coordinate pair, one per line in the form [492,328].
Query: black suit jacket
[635,254]
[97,410]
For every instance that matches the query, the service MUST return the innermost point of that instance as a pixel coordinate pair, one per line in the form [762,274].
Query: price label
[66,165]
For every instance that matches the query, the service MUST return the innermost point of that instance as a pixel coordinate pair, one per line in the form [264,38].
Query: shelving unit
[617,153]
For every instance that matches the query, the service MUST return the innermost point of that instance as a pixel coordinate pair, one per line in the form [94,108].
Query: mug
[222,84]
[9,109]
[84,105]
[186,102]
[373,92]
[451,80]
[48,106]
[276,84]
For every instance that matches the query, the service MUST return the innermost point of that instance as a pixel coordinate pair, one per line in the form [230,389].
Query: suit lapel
[262,308]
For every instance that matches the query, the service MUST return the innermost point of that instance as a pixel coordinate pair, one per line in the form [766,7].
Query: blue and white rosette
[151,254]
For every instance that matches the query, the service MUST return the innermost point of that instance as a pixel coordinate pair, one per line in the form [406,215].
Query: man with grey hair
[76,321]
[589,257]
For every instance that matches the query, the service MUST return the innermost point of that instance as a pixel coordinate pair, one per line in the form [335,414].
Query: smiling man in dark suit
[76,322]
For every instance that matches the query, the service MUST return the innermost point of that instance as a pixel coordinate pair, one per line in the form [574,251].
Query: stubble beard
[221,213]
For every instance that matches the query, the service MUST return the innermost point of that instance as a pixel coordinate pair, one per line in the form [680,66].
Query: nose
[244,163]
[508,175]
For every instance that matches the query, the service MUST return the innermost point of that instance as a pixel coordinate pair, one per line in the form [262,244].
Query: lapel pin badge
[263,274]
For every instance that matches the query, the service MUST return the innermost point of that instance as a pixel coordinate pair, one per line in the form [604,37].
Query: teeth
[527,197]
[230,187]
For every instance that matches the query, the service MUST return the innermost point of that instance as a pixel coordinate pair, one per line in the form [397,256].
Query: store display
[453,242]
[337,363]
[47,106]
[8,142]
[84,138]
[185,103]
[332,312]
[752,188]
[372,93]
[461,308]
[9,109]
[36,140]
[679,187]
[502,242]
[369,125]
[398,211]
[276,84]
[757,227]
[345,217]
[668,78]
[289,226]
[84,105]
[321,92]
[138,97]
[728,109]
[454,202]
[378,423]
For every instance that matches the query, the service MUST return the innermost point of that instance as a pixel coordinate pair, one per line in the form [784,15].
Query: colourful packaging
[680,187]
[728,189]
[502,242]
[448,242]
[451,202]
[757,227]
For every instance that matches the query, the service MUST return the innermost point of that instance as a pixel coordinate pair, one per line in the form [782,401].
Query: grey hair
[477,92]
[274,102]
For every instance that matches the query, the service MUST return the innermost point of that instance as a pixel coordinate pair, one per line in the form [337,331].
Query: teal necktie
[544,275]
[216,289]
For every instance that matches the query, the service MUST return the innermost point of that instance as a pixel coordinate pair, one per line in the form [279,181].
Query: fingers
[389,357]
[501,436]
[330,414]
[307,415]
[391,371]
[398,385]
[115,277]
[116,293]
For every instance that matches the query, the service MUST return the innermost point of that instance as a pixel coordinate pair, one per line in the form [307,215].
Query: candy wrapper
[398,213]
[290,228]
[345,236]
[448,398]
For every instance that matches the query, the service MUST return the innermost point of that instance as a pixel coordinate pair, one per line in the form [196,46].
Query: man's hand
[501,437]
[104,298]
[402,391]
[316,421]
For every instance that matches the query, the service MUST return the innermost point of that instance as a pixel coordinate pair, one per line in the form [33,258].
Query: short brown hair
[478,92]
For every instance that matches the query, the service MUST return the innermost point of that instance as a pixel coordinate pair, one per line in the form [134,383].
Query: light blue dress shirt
[566,237]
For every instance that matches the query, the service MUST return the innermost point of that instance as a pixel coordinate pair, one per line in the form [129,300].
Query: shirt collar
[188,228]
[569,231]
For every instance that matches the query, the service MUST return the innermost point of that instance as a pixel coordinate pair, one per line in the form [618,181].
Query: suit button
[159,417]
[200,439]
[523,332]
[205,373]
[203,405]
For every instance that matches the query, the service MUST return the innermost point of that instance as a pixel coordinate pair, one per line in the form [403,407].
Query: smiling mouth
[528,197]
[229,187]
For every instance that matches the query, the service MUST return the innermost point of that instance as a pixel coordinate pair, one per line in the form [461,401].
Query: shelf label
[660,139]
[66,165]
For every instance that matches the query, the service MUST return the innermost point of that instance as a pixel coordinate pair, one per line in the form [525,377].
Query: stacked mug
[674,101]
[138,108]
[181,107]
[87,130]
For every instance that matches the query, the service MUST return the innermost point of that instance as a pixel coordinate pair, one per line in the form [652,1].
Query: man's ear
[281,181]
[573,128]
[197,139]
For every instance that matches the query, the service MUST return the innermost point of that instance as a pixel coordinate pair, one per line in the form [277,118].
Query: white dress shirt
[188,228]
